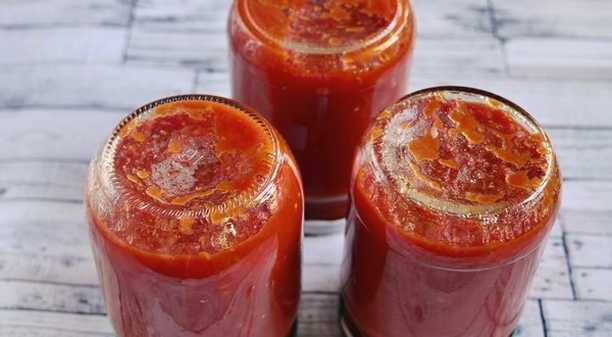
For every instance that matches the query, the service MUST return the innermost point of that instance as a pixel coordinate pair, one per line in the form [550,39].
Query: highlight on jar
[320,71]
[195,211]
[454,192]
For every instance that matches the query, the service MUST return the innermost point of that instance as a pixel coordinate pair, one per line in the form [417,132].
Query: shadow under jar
[195,211]
[454,192]
[320,71]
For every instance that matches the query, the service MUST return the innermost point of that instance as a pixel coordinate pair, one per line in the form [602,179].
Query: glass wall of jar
[195,211]
[320,71]
[454,192]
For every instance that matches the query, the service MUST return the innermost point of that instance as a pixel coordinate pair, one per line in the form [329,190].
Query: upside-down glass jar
[195,210]
[454,192]
[320,71]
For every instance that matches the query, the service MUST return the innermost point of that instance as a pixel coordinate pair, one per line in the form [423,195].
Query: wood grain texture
[103,86]
[590,251]
[35,323]
[553,18]
[559,58]
[50,297]
[570,319]
[586,222]
[24,14]
[593,284]
[72,69]
[62,45]
[568,103]
[40,134]
[459,19]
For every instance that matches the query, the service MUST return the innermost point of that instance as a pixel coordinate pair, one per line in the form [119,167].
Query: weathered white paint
[74,68]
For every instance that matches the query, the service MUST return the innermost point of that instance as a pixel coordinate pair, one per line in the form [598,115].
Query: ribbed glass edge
[518,114]
[395,26]
[107,190]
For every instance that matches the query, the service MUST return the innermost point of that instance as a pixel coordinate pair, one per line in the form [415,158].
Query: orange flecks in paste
[521,179]
[507,153]
[132,178]
[467,125]
[425,148]
[138,136]
[142,174]
[450,163]
[184,199]
[431,107]
[428,182]
[485,199]
[174,146]
[155,193]
[186,226]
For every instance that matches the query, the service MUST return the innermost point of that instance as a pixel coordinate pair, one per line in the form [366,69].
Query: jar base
[348,329]
[332,208]
[293,330]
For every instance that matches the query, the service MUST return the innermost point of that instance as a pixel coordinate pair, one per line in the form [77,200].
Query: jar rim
[395,25]
[449,207]
[115,187]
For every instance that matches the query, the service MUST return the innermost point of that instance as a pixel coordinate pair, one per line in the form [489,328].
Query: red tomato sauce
[195,211]
[453,195]
[319,71]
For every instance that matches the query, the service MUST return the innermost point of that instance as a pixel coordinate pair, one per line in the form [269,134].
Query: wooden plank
[438,18]
[530,324]
[317,277]
[205,50]
[583,154]
[447,18]
[324,250]
[593,251]
[36,13]
[318,315]
[191,15]
[65,269]
[587,195]
[113,87]
[68,324]
[593,284]
[586,222]
[571,319]
[21,331]
[552,18]
[54,135]
[193,34]
[44,228]
[213,83]
[551,102]
[552,278]
[63,45]
[50,297]
[35,179]
[560,58]
[460,57]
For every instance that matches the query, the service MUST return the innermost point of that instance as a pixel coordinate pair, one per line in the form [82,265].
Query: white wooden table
[69,69]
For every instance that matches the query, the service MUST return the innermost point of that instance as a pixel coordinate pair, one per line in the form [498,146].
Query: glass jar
[195,211]
[319,71]
[454,192]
